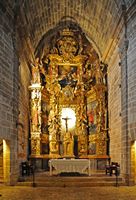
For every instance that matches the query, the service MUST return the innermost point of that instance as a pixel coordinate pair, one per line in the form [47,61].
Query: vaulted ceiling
[98,19]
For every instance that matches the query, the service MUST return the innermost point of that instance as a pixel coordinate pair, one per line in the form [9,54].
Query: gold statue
[53,145]
[35,72]
[68,144]
[98,73]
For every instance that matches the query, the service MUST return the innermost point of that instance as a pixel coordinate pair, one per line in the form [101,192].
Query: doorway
[1,161]
[133,161]
[4,161]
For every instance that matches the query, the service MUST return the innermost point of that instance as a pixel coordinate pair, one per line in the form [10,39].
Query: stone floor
[67,193]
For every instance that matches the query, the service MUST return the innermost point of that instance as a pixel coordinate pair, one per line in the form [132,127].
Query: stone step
[75,179]
[70,184]
[61,181]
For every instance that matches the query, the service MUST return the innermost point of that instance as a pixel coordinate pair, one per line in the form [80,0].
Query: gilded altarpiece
[68,102]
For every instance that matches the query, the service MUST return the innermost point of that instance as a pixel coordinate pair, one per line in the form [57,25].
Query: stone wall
[131,62]
[14,93]
[131,66]
[26,58]
[8,85]
[114,105]
[122,96]
[24,115]
[122,93]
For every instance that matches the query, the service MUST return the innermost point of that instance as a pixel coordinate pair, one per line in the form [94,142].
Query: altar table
[70,165]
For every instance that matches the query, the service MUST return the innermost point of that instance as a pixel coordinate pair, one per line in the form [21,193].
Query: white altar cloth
[70,165]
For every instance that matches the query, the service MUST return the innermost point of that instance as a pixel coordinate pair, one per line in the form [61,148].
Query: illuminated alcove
[68,119]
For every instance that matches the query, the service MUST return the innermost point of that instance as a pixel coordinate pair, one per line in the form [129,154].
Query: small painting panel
[45,113]
[67,75]
[92,121]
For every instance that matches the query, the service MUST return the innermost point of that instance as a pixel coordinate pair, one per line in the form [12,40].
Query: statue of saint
[98,73]
[34,116]
[53,144]
[68,144]
[35,72]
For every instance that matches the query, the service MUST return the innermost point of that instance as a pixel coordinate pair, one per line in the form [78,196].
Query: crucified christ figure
[66,122]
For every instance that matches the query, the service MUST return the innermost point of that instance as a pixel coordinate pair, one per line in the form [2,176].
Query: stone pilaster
[125,150]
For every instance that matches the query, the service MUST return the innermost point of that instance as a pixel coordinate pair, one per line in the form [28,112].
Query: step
[75,179]
[61,181]
[72,184]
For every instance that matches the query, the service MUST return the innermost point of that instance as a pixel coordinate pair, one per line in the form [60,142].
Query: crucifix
[66,122]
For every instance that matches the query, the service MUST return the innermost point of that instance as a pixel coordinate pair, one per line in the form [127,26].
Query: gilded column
[81,116]
[100,89]
[35,103]
[53,122]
